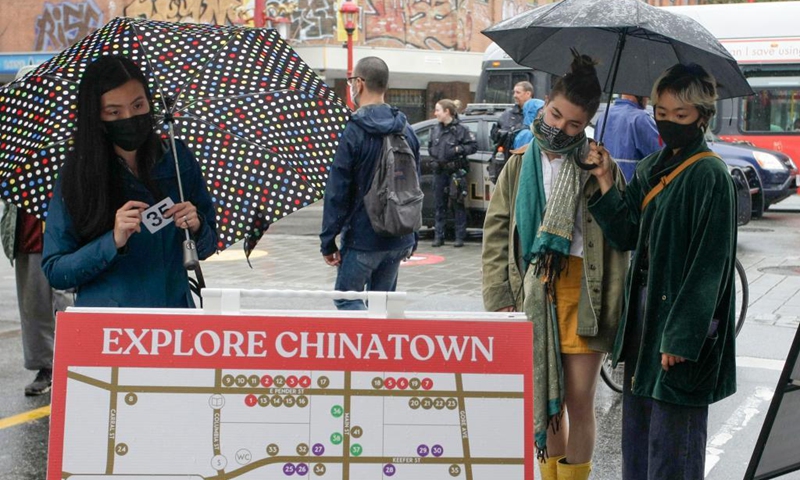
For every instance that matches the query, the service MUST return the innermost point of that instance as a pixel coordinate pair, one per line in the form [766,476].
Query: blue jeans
[371,271]
[441,182]
[660,440]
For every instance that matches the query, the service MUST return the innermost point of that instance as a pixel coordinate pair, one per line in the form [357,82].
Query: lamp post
[349,11]
[259,13]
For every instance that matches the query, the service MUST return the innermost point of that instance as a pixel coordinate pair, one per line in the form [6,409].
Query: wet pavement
[448,279]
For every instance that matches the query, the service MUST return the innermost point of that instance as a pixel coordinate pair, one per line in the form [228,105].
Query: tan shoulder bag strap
[667,179]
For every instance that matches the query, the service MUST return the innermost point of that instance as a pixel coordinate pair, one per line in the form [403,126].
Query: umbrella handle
[584,166]
[190,259]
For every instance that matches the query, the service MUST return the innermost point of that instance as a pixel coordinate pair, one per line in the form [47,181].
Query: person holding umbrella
[118,169]
[677,333]
[544,254]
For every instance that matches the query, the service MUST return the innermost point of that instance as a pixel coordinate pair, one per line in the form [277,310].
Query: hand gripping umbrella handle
[584,166]
[190,259]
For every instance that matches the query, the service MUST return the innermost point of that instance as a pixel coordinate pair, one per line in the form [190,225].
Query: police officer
[449,147]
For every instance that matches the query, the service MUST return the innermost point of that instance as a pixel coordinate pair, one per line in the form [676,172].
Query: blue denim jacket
[149,272]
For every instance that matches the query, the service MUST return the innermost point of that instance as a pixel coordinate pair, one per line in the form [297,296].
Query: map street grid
[347,425]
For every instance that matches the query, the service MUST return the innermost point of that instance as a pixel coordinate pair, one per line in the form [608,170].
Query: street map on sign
[195,423]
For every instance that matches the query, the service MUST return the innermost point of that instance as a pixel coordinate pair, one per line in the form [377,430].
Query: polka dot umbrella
[262,124]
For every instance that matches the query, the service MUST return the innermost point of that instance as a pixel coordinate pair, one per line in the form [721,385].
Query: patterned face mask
[556,138]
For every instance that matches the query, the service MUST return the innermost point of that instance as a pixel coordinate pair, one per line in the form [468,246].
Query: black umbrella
[633,41]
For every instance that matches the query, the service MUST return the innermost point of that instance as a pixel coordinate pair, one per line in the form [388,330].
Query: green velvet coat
[690,232]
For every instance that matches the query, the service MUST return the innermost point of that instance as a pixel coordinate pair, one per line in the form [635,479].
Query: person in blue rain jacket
[529,112]
[94,239]
[631,133]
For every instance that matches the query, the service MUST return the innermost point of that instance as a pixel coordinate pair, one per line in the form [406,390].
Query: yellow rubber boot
[577,471]
[549,468]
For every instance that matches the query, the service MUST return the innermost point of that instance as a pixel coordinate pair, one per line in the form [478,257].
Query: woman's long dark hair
[91,180]
[580,86]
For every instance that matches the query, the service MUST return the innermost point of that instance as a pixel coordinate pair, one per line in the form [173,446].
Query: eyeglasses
[350,79]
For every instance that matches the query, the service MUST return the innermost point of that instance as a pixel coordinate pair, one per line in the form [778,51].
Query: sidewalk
[443,278]
[449,279]
[774,278]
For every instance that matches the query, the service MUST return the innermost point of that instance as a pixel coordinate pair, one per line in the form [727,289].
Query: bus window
[500,85]
[519,77]
[775,107]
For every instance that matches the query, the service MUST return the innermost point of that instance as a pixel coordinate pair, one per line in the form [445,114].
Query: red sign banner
[217,397]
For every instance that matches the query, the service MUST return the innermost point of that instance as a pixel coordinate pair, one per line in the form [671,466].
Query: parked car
[480,118]
[776,170]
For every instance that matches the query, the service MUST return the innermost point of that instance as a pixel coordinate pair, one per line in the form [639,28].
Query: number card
[153,217]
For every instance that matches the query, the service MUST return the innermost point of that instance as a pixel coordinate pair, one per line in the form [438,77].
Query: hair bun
[582,64]
[458,104]
[580,85]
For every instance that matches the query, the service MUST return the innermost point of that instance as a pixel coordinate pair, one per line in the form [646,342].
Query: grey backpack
[394,201]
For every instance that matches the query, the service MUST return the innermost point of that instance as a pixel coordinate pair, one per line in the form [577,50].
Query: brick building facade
[432,29]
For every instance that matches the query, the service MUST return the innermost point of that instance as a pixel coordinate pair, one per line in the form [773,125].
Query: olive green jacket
[689,230]
[604,267]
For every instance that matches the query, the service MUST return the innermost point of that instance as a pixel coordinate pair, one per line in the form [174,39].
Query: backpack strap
[669,178]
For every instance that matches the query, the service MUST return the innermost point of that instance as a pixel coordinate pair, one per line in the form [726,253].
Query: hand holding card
[127,221]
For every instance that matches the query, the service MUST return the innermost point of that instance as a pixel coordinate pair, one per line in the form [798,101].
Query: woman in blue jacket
[94,240]
[449,147]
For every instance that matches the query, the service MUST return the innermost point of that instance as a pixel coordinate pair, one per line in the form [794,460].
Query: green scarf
[545,232]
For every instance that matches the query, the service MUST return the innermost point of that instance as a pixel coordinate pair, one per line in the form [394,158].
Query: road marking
[765,363]
[736,422]
[26,417]
[422,259]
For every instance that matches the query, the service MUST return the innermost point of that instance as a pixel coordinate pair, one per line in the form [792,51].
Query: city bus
[499,74]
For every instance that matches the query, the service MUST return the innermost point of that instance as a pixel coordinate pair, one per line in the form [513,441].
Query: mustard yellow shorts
[568,294]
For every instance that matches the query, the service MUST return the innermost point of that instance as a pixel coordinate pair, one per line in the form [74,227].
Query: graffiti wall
[37,25]
[40,25]
[61,25]
[314,20]
[199,11]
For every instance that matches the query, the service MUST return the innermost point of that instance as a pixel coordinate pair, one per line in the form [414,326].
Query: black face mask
[130,133]
[557,138]
[676,135]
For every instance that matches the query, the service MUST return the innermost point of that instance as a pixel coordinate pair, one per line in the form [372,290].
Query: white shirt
[550,169]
